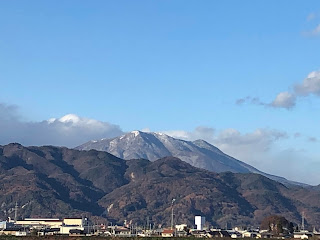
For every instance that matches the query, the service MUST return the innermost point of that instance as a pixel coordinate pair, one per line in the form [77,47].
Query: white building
[199,222]
[302,235]
[5,224]
[64,225]
[40,222]
[181,227]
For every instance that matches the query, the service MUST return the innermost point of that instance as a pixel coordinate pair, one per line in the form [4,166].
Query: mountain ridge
[52,181]
[153,145]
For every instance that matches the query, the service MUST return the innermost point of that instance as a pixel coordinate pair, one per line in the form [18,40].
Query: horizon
[243,76]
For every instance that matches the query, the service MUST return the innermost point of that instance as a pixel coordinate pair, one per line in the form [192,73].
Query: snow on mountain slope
[152,146]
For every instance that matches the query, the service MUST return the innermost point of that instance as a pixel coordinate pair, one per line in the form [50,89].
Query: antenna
[302,225]
[147,223]
[15,212]
[172,202]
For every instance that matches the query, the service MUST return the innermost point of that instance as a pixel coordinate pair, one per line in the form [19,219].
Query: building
[40,223]
[265,235]
[15,231]
[218,233]
[235,235]
[302,235]
[199,233]
[249,234]
[50,226]
[182,227]
[76,233]
[199,221]
[120,231]
[66,229]
[49,231]
[81,222]
[167,233]
[182,233]
[5,224]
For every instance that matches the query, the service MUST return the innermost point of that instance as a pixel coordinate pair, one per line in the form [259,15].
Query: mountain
[152,146]
[59,182]
[51,181]
[223,198]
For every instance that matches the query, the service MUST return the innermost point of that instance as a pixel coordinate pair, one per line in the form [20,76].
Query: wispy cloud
[312,139]
[316,30]
[308,138]
[284,100]
[297,135]
[311,16]
[309,86]
[251,100]
[260,148]
[240,145]
[313,32]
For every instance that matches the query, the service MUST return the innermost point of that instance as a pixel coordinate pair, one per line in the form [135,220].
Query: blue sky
[171,66]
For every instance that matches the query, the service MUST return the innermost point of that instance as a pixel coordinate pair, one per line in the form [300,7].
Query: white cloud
[260,148]
[284,100]
[252,100]
[69,130]
[204,133]
[8,112]
[246,147]
[309,86]
[257,148]
[263,137]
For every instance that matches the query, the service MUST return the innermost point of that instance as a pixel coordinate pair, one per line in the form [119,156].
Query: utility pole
[147,223]
[302,225]
[15,212]
[172,202]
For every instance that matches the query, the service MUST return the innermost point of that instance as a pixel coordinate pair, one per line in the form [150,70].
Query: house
[65,229]
[235,235]
[5,224]
[120,231]
[15,231]
[157,232]
[265,234]
[181,227]
[81,222]
[167,233]
[181,233]
[48,231]
[249,234]
[302,235]
[199,233]
[219,233]
[76,232]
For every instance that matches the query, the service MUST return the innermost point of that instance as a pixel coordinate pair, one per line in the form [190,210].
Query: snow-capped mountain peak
[152,146]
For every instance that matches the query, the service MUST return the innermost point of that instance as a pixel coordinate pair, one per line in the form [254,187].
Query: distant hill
[152,146]
[59,182]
